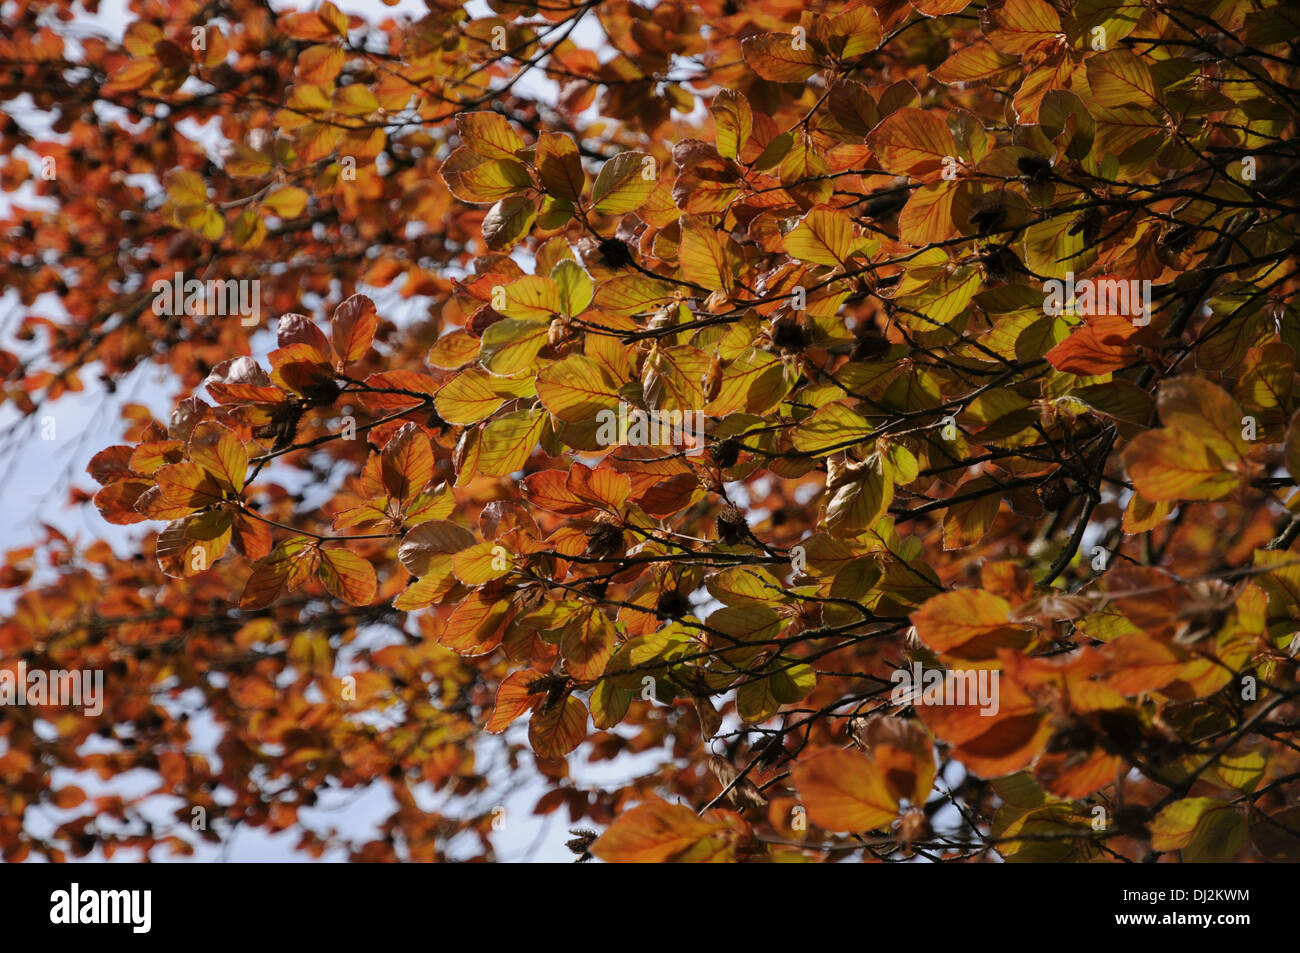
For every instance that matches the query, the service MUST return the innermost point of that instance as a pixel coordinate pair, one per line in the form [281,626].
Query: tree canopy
[721,382]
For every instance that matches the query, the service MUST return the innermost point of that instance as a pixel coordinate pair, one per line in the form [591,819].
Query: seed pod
[1088,223]
[725,453]
[556,687]
[1131,819]
[1176,237]
[989,217]
[671,604]
[596,588]
[615,253]
[788,334]
[581,843]
[915,826]
[1006,261]
[732,527]
[1035,168]
[322,394]
[870,343]
[604,538]
[556,333]
[1053,495]
[1072,734]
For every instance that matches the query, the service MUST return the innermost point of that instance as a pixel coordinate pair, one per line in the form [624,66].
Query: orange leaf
[938,8]
[780,57]
[475,626]
[354,326]
[704,256]
[605,487]
[1020,25]
[844,791]
[967,623]
[991,745]
[489,134]
[557,732]
[653,833]
[348,576]
[300,329]
[588,644]
[549,490]
[272,573]
[117,501]
[217,450]
[1171,464]
[406,463]
[912,142]
[513,699]
[189,485]
[559,166]
[1086,354]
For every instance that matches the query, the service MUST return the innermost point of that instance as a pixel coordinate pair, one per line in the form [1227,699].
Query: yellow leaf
[532,297]
[507,442]
[489,134]
[467,398]
[823,237]
[912,142]
[575,389]
[287,201]
[703,255]
[624,183]
[481,563]
[733,120]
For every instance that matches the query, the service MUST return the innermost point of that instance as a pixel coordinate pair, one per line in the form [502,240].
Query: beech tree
[984,546]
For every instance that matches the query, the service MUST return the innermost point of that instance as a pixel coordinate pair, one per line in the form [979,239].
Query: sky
[35,474]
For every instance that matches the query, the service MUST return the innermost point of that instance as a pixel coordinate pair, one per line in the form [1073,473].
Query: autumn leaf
[781,58]
[823,237]
[658,832]
[348,576]
[407,463]
[624,183]
[967,623]
[576,389]
[489,134]
[1204,829]
[353,328]
[738,362]
[218,451]
[560,166]
[734,122]
[1172,464]
[846,791]
[912,142]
